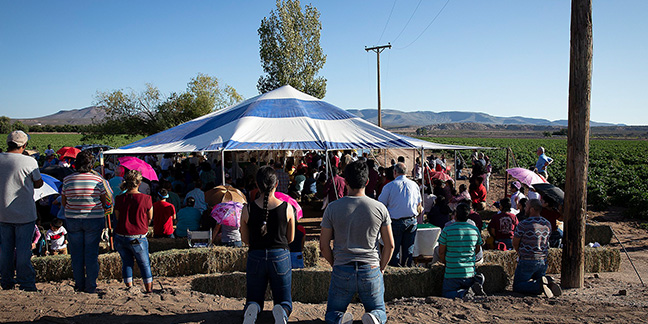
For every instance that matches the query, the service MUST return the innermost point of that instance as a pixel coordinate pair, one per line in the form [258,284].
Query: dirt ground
[606,298]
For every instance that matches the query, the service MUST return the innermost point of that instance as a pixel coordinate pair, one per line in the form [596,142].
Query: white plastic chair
[202,236]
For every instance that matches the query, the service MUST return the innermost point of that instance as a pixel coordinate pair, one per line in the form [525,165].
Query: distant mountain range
[83,116]
[391,118]
[397,118]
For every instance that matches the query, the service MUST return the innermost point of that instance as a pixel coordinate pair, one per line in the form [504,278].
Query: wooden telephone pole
[378,49]
[580,82]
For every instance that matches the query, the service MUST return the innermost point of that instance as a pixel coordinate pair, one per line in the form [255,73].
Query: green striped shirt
[460,239]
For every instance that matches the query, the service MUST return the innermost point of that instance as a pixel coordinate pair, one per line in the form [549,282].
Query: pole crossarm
[378,50]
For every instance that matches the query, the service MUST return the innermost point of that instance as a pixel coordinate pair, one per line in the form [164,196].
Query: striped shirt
[460,239]
[534,238]
[83,194]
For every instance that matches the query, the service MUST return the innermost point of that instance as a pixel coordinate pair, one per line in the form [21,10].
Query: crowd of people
[370,221]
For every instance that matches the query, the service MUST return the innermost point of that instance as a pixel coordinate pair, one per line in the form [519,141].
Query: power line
[408,21]
[426,28]
[387,23]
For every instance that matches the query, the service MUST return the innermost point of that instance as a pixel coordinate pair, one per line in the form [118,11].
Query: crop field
[618,169]
[40,141]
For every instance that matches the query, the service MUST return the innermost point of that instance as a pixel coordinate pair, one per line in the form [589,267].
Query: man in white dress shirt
[403,200]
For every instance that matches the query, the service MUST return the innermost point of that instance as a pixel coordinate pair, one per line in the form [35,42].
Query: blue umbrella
[50,186]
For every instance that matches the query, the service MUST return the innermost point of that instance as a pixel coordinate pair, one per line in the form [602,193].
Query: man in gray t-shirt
[357,222]
[19,176]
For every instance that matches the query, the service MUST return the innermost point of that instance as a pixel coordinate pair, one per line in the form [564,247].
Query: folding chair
[192,236]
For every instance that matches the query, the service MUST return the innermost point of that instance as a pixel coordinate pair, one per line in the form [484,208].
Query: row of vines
[617,175]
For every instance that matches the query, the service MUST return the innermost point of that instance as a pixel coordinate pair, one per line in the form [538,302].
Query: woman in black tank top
[268,226]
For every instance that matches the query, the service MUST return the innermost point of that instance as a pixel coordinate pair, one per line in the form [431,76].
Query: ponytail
[264,227]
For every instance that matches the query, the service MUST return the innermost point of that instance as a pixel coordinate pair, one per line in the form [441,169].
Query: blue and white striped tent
[282,119]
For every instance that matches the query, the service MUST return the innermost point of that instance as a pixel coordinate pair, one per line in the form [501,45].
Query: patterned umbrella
[228,213]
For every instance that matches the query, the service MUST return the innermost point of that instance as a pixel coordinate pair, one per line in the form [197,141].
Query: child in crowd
[56,237]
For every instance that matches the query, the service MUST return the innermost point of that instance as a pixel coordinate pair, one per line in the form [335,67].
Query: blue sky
[505,58]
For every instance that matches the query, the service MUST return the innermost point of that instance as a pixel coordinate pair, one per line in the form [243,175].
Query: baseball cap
[517,184]
[18,137]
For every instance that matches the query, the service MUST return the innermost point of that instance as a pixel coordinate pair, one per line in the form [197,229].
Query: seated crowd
[385,204]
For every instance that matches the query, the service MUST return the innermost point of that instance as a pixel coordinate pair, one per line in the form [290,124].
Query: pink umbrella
[228,213]
[133,163]
[526,176]
[291,201]
[441,176]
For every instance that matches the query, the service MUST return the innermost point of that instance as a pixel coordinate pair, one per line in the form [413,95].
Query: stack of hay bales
[311,285]
[600,259]
[221,259]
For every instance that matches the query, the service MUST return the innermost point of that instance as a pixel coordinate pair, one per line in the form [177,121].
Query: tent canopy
[282,119]
[419,143]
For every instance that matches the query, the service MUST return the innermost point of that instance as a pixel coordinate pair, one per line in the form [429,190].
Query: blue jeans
[555,238]
[18,238]
[129,250]
[233,244]
[404,231]
[84,235]
[528,276]
[346,280]
[456,287]
[272,266]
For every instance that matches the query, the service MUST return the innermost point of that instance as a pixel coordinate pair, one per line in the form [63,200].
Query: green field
[618,169]
[40,141]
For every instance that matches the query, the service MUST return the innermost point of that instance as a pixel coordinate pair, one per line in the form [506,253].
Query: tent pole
[422,178]
[223,166]
[455,167]
[506,180]
[330,168]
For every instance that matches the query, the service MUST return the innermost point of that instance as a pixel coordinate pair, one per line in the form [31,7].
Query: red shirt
[552,216]
[133,213]
[504,225]
[163,218]
[478,195]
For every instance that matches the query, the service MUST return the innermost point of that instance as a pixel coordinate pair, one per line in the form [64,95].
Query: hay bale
[496,277]
[52,268]
[506,259]
[598,233]
[311,285]
[110,266]
[311,253]
[226,259]
[412,282]
[228,285]
[596,260]
[164,244]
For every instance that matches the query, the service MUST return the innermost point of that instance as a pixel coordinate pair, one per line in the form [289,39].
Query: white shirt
[515,198]
[401,197]
[199,196]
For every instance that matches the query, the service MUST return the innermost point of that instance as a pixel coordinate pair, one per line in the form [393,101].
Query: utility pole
[378,49]
[580,92]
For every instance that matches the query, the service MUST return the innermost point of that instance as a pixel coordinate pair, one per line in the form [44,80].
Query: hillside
[396,118]
[83,116]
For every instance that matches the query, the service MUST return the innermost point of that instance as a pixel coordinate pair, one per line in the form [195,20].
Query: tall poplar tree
[290,49]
